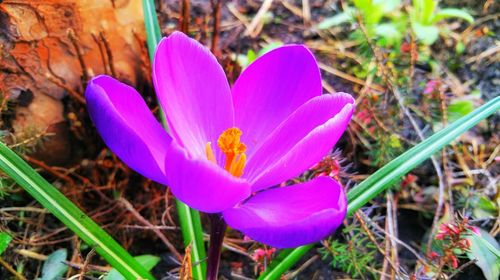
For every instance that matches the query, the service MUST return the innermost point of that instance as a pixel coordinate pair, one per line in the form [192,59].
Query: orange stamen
[209,152]
[237,167]
[230,144]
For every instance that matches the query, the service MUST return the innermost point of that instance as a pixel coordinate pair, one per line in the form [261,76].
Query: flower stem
[217,231]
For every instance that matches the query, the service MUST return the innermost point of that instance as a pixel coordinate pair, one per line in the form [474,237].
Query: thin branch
[141,219]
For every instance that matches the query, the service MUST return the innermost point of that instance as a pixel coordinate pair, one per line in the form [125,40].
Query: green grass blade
[153,31]
[61,207]
[192,234]
[388,175]
[391,172]
[189,219]
[285,259]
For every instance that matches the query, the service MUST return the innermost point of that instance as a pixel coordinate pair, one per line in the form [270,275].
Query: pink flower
[261,254]
[433,255]
[454,261]
[228,147]
[430,87]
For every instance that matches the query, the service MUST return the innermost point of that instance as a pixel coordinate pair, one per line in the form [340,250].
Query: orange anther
[230,144]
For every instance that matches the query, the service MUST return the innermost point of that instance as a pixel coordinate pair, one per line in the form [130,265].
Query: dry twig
[141,219]
[257,22]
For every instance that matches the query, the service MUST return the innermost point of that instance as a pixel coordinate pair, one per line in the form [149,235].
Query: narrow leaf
[459,108]
[285,259]
[61,207]
[5,240]
[147,261]
[192,234]
[335,20]
[428,10]
[452,13]
[389,174]
[152,27]
[485,249]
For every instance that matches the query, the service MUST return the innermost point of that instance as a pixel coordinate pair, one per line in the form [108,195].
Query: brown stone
[36,44]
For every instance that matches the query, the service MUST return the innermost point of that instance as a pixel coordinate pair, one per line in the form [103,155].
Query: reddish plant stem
[185,16]
[217,231]
[216,10]
[109,53]
[79,53]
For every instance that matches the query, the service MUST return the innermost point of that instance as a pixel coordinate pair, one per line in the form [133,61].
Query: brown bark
[48,48]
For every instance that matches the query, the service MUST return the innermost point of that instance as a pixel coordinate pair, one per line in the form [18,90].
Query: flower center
[230,144]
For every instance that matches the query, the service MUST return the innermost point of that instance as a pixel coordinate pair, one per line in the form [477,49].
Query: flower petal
[202,184]
[271,88]
[193,91]
[291,216]
[127,126]
[300,141]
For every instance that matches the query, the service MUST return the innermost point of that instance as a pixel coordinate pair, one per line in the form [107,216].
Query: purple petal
[193,91]
[127,126]
[202,184]
[301,141]
[291,216]
[271,88]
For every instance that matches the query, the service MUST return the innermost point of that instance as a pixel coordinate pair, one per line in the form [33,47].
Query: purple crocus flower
[229,148]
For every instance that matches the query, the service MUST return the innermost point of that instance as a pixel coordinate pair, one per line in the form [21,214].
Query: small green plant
[147,261]
[383,20]
[6,186]
[5,240]
[387,23]
[384,24]
[425,16]
[251,56]
[355,255]
[459,240]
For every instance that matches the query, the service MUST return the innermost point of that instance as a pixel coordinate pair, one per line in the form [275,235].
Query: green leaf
[61,207]
[269,47]
[423,11]
[390,32]
[486,204]
[459,108]
[251,57]
[485,249]
[460,48]
[427,34]
[189,219]
[5,240]
[394,141]
[336,20]
[153,30]
[388,175]
[452,13]
[285,259]
[388,5]
[54,266]
[485,208]
[147,261]
[428,9]
[192,234]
